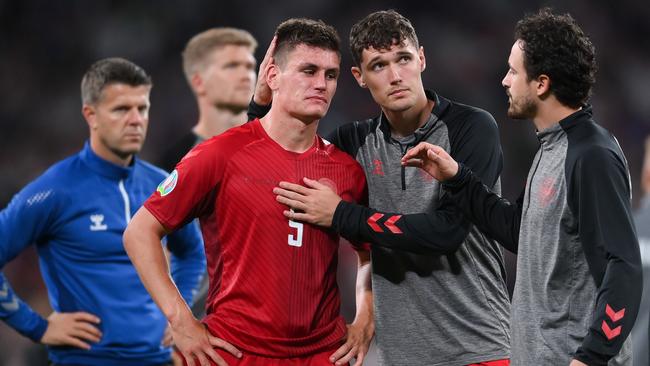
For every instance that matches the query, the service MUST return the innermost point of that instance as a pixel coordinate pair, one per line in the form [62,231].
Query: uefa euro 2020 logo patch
[167,186]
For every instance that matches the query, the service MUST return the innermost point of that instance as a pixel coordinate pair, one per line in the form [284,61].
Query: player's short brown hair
[297,31]
[198,49]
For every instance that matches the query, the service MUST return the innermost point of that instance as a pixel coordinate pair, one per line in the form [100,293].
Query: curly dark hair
[554,45]
[296,31]
[380,30]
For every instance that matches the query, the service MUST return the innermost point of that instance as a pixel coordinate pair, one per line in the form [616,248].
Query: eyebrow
[398,54]
[309,65]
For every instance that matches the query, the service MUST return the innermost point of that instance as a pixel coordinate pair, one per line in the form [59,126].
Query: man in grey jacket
[579,276]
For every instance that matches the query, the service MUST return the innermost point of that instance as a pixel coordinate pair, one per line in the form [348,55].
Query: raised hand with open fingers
[263,94]
[432,159]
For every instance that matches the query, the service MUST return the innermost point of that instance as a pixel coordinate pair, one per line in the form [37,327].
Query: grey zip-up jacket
[439,284]
[579,276]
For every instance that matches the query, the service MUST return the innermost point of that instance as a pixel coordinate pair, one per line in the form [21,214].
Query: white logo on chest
[98,223]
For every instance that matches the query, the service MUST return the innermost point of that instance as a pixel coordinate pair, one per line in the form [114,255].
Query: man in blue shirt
[75,214]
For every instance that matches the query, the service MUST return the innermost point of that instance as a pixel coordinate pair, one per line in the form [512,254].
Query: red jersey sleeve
[190,190]
[360,196]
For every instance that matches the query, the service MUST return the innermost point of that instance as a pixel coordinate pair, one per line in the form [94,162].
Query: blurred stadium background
[46,46]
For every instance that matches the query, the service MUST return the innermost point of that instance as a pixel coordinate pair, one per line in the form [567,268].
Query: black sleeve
[493,215]
[351,136]
[438,232]
[599,196]
[474,140]
[257,111]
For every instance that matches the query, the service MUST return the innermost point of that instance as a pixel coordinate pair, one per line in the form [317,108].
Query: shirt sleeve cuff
[28,323]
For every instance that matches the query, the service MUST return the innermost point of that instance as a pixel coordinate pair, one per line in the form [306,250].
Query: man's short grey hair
[108,71]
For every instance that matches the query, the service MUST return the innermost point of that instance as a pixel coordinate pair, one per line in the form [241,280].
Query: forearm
[18,314]
[188,260]
[441,231]
[187,273]
[492,214]
[142,244]
[614,314]
[364,295]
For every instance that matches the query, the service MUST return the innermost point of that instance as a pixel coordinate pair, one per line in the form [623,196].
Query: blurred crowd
[46,46]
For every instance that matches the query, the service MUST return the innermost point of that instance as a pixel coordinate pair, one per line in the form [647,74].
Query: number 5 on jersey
[296,240]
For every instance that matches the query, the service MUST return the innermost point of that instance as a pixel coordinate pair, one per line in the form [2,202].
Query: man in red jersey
[273,298]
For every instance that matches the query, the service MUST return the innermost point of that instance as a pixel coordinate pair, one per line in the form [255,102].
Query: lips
[133,135]
[397,91]
[317,98]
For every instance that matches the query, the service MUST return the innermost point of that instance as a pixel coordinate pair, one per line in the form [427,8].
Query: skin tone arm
[362,329]
[142,243]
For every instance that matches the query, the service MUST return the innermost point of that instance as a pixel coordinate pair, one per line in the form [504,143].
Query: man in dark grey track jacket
[579,276]
[439,291]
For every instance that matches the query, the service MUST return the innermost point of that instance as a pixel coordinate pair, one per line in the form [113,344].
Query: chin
[400,105]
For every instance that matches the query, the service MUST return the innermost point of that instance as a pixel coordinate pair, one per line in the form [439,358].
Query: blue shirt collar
[104,167]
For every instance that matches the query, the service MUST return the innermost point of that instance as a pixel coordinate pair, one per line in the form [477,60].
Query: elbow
[636,276]
[457,238]
[128,239]
[454,244]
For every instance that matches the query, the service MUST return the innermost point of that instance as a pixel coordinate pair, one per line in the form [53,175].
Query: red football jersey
[273,288]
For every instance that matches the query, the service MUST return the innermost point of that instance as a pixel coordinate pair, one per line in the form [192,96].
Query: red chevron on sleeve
[610,333]
[372,222]
[615,316]
[390,224]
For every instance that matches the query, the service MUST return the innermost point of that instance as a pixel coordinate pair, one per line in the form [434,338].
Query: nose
[395,77]
[248,75]
[320,82]
[137,116]
[505,82]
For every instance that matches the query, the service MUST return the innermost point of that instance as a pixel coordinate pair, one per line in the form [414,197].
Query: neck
[404,123]
[214,121]
[107,154]
[551,112]
[289,132]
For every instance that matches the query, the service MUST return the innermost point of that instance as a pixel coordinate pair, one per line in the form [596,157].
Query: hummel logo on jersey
[377,167]
[8,303]
[98,223]
[615,317]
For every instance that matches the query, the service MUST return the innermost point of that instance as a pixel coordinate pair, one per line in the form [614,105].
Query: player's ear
[197,84]
[358,76]
[273,76]
[543,85]
[89,113]
[423,60]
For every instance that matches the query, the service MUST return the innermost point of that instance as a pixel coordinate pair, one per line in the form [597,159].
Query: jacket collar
[440,107]
[553,134]
[104,167]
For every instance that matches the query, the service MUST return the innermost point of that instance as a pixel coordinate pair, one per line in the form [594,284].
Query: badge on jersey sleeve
[167,186]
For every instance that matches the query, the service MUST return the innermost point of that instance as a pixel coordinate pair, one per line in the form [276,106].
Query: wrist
[262,102]
[178,315]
